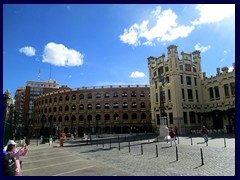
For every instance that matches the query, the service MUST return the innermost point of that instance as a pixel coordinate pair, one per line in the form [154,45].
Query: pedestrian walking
[175,132]
[172,137]
[14,152]
[205,134]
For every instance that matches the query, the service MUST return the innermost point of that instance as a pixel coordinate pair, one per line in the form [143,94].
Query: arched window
[74,107]
[81,118]
[98,106]
[46,101]
[73,97]
[115,105]
[134,105]
[81,96]
[143,105]
[50,100]
[125,105]
[67,98]
[106,95]
[66,119]
[81,107]
[134,116]
[107,106]
[125,116]
[142,94]
[89,96]
[55,99]
[124,94]
[143,116]
[107,117]
[50,110]
[66,108]
[98,95]
[89,117]
[60,109]
[134,94]
[116,117]
[98,117]
[60,98]
[115,94]
[54,109]
[60,119]
[89,106]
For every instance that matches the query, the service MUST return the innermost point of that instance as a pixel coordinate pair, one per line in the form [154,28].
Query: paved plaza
[144,157]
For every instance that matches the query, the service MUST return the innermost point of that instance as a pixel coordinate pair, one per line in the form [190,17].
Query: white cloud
[28,51]
[230,69]
[201,48]
[59,55]
[226,51]
[166,28]
[137,74]
[210,13]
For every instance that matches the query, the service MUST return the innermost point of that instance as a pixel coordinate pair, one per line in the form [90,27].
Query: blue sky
[108,44]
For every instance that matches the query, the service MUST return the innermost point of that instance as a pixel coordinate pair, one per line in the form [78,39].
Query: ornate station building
[184,97]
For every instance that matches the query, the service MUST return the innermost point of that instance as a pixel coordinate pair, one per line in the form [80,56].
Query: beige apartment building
[184,97]
[96,110]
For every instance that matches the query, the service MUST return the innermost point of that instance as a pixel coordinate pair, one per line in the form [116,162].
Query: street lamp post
[97,126]
[43,127]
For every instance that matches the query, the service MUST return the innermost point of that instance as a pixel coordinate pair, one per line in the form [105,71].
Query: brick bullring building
[96,110]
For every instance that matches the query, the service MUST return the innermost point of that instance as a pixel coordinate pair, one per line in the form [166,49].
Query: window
[98,117]
[211,93]
[125,105]
[226,90]
[183,95]
[74,97]
[194,69]
[188,80]
[107,106]
[169,95]
[81,107]
[190,95]
[115,105]
[124,94]
[171,118]
[232,85]
[66,119]
[60,99]
[216,89]
[195,81]
[55,99]
[125,116]
[116,117]
[89,106]
[89,96]
[185,117]
[160,71]
[115,94]
[192,117]
[143,105]
[98,106]
[74,107]
[81,118]
[134,105]
[166,69]
[181,67]
[143,116]
[54,109]
[187,67]
[50,100]
[81,96]
[142,94]
[134,116]
[197,95]
[134,94]
[181,79]
[106,95]
[60,109]
[107,117]
[46,101]
[60,119]
[98,95]
[50,110]
[66,108]
[67,98]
